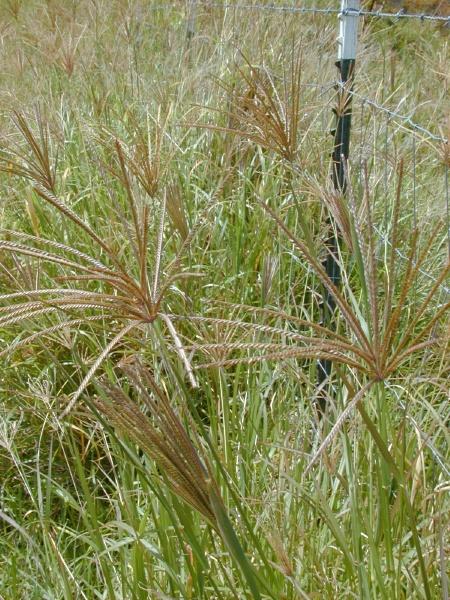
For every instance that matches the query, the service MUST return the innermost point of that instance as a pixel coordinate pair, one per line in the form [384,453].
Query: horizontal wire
[401,14]
[400,254]
[405,118]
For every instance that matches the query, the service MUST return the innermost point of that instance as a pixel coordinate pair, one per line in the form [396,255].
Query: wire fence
[405,121]
[401,14]
[389,121]
[302,10]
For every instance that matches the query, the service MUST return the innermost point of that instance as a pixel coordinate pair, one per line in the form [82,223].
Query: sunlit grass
[163,215]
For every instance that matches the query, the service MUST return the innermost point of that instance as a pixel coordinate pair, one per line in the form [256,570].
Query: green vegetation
[164,205]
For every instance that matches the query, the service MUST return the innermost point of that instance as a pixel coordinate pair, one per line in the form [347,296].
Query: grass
[165,207]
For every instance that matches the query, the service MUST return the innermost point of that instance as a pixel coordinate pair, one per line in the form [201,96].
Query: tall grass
[164,210]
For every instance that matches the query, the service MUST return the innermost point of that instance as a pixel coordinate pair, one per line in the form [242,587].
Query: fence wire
[404,121]
[395,115]
[401,14]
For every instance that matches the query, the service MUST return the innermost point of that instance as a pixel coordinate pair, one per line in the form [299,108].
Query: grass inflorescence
[166,202]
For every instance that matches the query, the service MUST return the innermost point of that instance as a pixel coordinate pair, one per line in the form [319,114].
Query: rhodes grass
[164,207]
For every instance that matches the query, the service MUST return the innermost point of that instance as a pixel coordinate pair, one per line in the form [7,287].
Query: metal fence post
[347,42]
[192,14]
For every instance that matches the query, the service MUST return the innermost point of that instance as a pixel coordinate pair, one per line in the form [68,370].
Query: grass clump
[164,222]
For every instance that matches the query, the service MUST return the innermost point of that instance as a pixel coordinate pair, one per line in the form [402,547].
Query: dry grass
[202,470]
[134,301]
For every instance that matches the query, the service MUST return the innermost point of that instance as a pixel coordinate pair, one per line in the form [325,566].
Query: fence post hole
[347,42]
